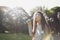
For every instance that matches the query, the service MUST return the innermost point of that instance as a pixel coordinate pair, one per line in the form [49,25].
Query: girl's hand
[33,32]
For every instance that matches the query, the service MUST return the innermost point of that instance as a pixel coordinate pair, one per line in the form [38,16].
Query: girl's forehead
[38,14]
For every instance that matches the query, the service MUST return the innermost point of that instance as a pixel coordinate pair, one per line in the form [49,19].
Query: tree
[3,10]
[15,20]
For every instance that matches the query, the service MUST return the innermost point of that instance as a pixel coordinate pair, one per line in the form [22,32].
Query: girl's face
[38,17]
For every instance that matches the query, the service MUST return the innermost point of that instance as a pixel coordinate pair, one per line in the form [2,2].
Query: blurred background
[15,16]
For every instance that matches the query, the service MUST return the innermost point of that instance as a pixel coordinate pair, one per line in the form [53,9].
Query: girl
[39,26]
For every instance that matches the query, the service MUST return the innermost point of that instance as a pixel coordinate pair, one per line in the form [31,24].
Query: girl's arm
[34,28]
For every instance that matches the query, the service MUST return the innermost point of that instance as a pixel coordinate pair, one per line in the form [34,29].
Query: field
[14,36]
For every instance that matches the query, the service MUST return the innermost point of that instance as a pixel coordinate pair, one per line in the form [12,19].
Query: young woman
[39,26]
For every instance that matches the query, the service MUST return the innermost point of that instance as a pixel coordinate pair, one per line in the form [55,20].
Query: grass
[18,36]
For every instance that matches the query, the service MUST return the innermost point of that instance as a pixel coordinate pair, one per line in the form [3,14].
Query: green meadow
[18,36]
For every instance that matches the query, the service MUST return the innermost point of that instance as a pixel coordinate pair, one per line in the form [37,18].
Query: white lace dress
[39,33]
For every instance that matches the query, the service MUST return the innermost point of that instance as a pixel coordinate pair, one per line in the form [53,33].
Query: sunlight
[29,4]
[48,37]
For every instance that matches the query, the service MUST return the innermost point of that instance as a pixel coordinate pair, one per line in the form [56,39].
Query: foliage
[51,11]
[41,9]
[13,20]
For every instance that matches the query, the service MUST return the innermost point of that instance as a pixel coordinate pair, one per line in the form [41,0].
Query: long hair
[56,22]
[43,22]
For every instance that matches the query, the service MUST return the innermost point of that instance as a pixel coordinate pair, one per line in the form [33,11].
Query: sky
[29,4]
